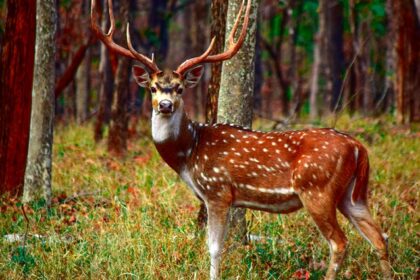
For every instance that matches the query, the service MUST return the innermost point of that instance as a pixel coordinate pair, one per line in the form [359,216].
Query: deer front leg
[217,227]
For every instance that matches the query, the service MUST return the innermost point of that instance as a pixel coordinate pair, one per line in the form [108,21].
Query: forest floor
[133,218]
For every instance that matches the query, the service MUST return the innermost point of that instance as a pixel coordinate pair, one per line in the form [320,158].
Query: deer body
[280,172]
[228,166]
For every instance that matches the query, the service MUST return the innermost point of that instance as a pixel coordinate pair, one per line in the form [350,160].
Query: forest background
[349,64]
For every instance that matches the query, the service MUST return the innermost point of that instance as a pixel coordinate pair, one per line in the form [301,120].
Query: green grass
[133,218]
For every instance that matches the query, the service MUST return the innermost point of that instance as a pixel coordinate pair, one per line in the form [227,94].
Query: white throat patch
[164,128]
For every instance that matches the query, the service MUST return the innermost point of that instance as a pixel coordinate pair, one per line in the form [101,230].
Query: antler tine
[111,19]
[196,60]
[109,42]
[233,47]
[236,24]
[145,60]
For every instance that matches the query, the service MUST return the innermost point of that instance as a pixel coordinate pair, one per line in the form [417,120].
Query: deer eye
[153,89]
[179,90]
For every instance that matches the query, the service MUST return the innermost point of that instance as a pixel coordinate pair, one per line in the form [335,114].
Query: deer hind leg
[217,227]
[326,221]
[359,215]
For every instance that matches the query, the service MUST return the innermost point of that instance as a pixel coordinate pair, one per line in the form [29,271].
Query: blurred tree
[317,64]
[407,47]
[278,21]
[334,53]
[106,83]
[328,66]
[158,27]
[235,104]
[118,131]
[200,18]
[83,72]
[16,76]
[218,28]
[39,162]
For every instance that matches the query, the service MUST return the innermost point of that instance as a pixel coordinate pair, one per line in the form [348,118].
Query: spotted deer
[228,166]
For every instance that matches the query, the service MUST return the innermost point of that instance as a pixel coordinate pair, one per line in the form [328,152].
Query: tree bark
[118,131]
[106,85]
[407,47]
[83,89]
[199,45]
[39,163]
[335,52]
[218,29]
[83,76]
[16,76]
[235,102]
[316,66]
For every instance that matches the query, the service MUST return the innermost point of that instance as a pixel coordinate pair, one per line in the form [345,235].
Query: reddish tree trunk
[16,75]
[408,58]
[218,28]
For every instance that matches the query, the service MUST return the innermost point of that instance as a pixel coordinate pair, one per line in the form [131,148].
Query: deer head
[167,87]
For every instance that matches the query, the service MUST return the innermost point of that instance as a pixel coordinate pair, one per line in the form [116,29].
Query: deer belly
[277,204]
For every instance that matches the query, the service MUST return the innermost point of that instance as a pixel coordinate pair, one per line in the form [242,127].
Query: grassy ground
[134,219]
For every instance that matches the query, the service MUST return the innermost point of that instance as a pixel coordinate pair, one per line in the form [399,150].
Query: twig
[27,226]
[356,55]
[81,194]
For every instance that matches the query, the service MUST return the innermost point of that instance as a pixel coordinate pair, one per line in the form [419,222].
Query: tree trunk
[198,32]
[158,25]
[83,89]
[106,85]
[218,28]
[16,76]
[118,131]
[316,66]
[335,51]
[237,87]
[83,74]
[295,80]
[407,47]
[389,89]
[39,163]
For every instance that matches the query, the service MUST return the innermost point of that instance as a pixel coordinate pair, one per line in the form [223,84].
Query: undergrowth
[133,218]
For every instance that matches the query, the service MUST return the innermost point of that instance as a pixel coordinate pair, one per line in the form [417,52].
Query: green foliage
[308,27]
[373,13]
[66,4]
[21,257]
[133,218]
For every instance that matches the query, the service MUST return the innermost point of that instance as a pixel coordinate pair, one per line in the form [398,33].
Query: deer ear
[193,76]
[141,76]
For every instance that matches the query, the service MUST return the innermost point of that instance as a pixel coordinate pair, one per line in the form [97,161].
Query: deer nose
[165,106]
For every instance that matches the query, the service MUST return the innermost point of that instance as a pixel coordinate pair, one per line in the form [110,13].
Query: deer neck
[173,137]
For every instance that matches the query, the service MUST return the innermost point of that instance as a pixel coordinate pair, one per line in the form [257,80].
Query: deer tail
[360,189]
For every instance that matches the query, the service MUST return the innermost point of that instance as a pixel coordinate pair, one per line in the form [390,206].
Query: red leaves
[301,274]
[142,160]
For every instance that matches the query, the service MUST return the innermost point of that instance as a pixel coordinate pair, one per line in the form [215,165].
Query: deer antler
[109,42]
[229,53]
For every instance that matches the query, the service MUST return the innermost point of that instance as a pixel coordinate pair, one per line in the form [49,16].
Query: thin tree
[16,75]
[39,163]
[235,102]
[106,84]
[83,73]
[407,46]
[118,131]
[317,64]
[218,29]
